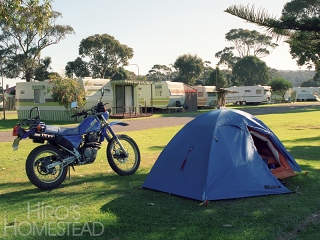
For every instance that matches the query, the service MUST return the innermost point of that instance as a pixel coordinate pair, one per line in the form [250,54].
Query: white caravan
[164,94]
[307,93]
[37,93]
[207,96]
[248,94]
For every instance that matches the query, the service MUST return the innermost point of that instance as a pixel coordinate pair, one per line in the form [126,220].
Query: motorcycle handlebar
[78,114]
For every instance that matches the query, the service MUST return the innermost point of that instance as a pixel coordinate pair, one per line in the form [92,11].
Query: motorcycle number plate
[15,144]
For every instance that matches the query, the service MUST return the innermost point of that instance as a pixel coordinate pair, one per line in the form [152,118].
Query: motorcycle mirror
[73,105]
[102,92]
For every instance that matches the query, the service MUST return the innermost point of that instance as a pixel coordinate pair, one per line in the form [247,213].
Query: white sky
[160,31]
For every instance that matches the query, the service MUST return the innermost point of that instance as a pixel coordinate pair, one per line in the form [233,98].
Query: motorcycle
[47,164]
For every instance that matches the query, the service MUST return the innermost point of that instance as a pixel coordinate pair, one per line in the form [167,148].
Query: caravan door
[124,98]
[128,98]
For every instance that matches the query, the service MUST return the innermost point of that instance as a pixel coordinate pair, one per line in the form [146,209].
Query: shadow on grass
[306,152]
[76,185]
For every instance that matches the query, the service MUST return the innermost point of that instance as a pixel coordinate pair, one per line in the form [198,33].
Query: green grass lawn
[95,202]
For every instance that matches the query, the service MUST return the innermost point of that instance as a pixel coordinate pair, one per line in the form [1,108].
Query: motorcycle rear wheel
[36,164]
[122,165]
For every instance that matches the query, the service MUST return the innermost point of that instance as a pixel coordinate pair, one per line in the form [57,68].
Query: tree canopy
[77,67]
[189,67]
[245,43]
[41,13]
[250,71]
[299,24]
[104,53]
[22,44]
[280,86]
[67,90]
[217,79]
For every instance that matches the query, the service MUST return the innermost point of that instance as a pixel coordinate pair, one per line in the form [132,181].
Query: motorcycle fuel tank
[89,124]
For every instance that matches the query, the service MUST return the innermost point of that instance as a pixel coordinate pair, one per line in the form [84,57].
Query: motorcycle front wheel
[37,171]
[123,163]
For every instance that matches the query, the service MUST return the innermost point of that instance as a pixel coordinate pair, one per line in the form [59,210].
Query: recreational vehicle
[38,94]
[163,95]
[248,94]
[93,95]
[206,96]
[307,93]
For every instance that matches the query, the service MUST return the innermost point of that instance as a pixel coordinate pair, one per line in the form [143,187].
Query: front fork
[109,134]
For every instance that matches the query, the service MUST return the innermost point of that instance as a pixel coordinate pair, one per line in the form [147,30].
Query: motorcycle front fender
[118,123]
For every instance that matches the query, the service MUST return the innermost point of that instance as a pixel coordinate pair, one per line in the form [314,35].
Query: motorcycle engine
[90,147]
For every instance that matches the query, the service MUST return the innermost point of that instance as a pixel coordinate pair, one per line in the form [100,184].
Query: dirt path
[149,123]
[134,124]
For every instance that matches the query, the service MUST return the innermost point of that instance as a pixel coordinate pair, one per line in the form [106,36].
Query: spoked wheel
[123,163]
[37,169]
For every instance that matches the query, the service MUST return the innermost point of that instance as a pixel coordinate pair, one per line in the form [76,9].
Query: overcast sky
[160,31]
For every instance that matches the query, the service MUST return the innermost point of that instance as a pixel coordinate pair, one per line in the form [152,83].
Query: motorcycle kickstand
[70,171]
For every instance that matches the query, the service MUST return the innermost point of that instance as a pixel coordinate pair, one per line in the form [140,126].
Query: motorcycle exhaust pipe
[41,137]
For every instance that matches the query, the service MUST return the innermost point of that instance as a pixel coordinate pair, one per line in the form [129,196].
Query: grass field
[97,203]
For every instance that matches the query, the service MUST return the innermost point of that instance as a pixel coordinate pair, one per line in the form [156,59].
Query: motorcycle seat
[62,131]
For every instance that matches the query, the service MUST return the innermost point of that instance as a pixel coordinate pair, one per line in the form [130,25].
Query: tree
[104,52]
[250,43]
[245,43]
[227,57]
[160,73]
[217,79]
[310,83]
[121,74]
[67,90]
[299,24]
[77,67]
[189,67]
[41,13]
[41,73]
[22,44]
[250,71]
[280,86]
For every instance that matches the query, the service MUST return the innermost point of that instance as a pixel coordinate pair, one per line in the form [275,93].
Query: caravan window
[247,90]
[258,91]
[200,94]
[158,90]
[158,93]
[211,94]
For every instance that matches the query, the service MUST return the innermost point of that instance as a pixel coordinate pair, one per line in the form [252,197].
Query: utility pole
[3,96]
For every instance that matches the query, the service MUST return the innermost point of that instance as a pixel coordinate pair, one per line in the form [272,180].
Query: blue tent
[222,154]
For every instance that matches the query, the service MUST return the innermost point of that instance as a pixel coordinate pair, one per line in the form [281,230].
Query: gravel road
[148,123]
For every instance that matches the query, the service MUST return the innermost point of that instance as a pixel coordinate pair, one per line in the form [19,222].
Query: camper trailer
[307,93]
[163,95]
[207,96]
[38,94]
[248,94]
[93,95]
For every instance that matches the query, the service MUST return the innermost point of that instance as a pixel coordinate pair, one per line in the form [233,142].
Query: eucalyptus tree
[104,52]
[250,71]
[280,86]
[160,72]
[189,68]
[244,43]
[25,34]
[41,12]
[78,67]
